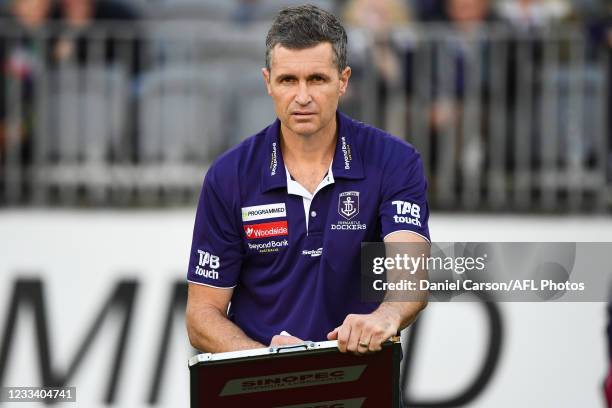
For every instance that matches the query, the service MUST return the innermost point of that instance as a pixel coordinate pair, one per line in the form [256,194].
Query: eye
[317,78]
[287,80]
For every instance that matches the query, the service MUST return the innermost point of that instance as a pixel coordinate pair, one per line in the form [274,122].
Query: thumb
[333,335]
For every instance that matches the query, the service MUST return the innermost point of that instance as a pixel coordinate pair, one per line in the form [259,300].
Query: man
[282,215]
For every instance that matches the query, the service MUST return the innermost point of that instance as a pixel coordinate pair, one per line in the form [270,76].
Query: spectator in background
[533,15]
[465,16]
[459,72]
[429,10]
[378,19]
[30,14]
[20,57]
[89,38]
[79,17]
[463,43]
[528,22]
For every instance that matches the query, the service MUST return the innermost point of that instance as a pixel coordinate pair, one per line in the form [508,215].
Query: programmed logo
[262,212]
[348,204]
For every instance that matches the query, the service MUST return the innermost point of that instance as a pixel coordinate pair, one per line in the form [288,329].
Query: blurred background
[111,112]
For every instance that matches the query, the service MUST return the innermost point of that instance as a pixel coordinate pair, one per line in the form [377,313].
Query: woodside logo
[266,230]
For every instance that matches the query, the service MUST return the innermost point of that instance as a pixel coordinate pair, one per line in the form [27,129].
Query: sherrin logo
[266,230]
[261,212]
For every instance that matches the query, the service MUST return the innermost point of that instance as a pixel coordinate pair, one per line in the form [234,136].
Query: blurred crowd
[467,59]
[69,27]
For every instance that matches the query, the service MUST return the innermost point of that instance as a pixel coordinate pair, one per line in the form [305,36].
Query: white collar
[294,187]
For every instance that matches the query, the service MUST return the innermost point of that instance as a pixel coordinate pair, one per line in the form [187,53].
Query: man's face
[305,86]
[467,11]
[31,13]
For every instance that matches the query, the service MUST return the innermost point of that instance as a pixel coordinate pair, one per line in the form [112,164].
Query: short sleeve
[216,249]
[403,205]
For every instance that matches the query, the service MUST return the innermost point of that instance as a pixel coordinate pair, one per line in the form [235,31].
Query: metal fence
[132,114]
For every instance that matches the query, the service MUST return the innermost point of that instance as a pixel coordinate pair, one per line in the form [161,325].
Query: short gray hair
[306,26]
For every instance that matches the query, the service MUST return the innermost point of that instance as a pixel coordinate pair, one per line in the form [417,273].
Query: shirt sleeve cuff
[405,230]
[211,286]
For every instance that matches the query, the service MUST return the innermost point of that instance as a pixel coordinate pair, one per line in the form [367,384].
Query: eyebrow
[318,74]
[309,77]
[285,76]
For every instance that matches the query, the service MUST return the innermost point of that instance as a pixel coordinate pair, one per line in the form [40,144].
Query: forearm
[402,314]
[211,331]
[403,307]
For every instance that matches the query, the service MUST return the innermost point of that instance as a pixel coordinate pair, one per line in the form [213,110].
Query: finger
[292,340]
[333,335]
[377,340]
[344,333]
[277,340]
[356,332]
[280,340]
[363,347]
[375,344]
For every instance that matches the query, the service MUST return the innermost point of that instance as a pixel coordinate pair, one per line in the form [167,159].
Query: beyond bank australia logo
[348,204]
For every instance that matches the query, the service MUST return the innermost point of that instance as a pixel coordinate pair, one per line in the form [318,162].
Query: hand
[282,340]
[365,333]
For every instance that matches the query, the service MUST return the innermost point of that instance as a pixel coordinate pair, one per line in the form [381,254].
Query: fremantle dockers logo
[348,204]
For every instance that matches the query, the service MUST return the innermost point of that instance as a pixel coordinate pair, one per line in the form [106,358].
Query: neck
[315,148]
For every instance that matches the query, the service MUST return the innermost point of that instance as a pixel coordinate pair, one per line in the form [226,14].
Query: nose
[303,94]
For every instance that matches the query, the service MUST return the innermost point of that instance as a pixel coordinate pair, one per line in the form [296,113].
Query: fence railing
[132,114]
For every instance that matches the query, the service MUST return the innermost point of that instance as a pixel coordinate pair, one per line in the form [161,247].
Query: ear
[266,75]
[344,79]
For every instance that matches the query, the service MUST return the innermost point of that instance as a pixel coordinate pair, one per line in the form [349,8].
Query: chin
[305,128]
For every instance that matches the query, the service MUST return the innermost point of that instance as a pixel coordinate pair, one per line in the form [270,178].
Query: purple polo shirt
[251,234]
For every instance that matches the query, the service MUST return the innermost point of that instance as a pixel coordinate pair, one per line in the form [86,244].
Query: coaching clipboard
[309,375]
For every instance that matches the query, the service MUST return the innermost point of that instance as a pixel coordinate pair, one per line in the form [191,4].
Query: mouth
[302,114]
